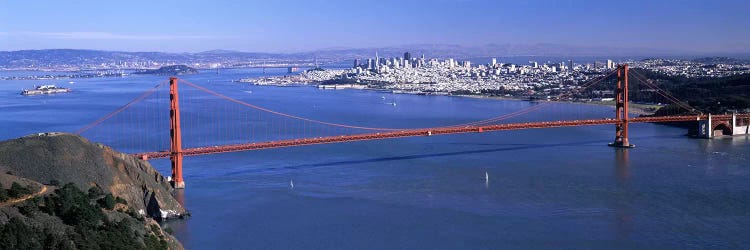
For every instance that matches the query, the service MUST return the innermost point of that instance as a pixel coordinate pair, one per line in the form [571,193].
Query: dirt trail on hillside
[41,192]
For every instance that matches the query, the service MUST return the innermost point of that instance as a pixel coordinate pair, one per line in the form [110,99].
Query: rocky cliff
[64,158]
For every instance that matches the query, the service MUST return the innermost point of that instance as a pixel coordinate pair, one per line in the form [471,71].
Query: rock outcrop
[70,158]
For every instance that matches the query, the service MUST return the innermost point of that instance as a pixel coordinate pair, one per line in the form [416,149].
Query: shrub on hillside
[91,228]
[3,194]
[95,192]
[120,200]
[74,207]
[107,202]
[54,182]
[18,191]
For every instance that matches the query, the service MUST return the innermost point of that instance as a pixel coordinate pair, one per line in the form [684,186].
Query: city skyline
[291,26]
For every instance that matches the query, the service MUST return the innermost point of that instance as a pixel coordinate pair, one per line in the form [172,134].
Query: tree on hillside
[3,193]
[17,191]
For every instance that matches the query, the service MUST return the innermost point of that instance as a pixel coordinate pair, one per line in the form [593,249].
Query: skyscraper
[407,56]
[377,62]
[494,62]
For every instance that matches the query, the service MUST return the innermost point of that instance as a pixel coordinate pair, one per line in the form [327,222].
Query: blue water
[561,188]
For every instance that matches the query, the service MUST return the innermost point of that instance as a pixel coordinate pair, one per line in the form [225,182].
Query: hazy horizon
[698,27]
[424,48]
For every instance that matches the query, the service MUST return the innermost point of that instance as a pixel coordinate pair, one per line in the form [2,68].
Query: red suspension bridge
[250,127]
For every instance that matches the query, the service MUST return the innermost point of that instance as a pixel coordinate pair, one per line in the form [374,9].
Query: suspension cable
[664,93]
[538,106]
[122,108]
[502,117]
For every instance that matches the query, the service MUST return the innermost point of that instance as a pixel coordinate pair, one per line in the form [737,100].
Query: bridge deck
[424,132]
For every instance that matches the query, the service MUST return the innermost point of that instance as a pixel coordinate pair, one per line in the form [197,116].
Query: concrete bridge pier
[711,127]
[705,130]
[740,126]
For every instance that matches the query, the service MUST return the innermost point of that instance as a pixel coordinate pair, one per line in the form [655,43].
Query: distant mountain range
[73,57]
[57,57]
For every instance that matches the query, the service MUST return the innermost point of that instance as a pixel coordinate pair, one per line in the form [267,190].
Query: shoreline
[633,108]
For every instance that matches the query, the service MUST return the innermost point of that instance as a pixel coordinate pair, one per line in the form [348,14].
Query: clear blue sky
[290,26]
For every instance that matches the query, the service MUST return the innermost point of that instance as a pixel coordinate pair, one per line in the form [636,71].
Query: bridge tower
[621,109]
[175,133]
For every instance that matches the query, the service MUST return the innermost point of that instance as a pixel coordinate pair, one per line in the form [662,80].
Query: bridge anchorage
[721,125]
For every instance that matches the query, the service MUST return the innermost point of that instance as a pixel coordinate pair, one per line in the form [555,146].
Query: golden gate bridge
[280,126]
